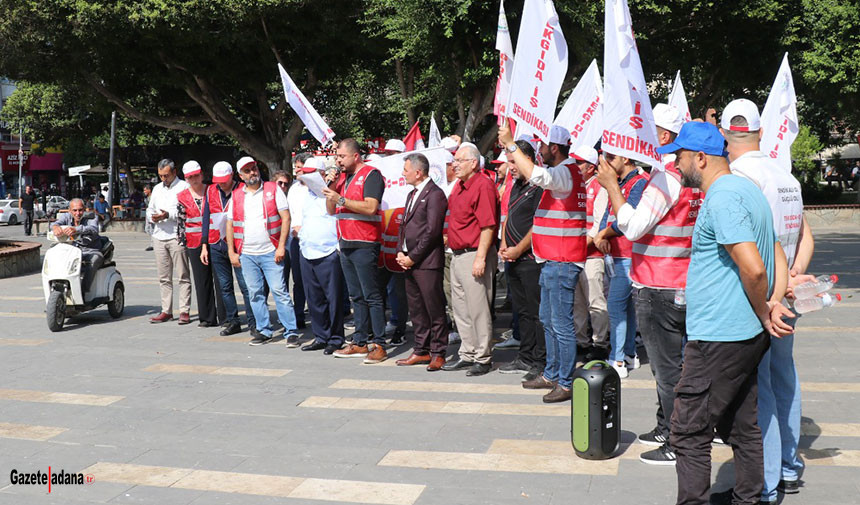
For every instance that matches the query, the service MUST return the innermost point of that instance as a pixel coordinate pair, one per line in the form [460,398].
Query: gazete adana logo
[49,478]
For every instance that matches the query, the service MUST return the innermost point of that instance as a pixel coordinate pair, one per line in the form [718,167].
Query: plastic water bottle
[609,263]
[817,303]
[810,289]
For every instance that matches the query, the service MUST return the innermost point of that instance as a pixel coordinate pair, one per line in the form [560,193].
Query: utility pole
[20,161]
[111,159]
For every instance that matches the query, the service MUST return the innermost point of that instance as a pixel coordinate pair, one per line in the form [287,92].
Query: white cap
[450,144]
[531,139]
[373,157]
[668,117]
[559,135]
[245,160]
[396,145]
[191,168]
[222,172]
[501,159]
[585,153]
[313,165]
[741,107]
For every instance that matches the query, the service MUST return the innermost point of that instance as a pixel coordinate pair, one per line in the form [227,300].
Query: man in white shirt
[258,221]
[320,264]
[169,254]
[779,397]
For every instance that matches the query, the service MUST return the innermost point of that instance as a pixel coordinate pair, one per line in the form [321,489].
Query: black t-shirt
[27,201]
[374,186]
[523,203]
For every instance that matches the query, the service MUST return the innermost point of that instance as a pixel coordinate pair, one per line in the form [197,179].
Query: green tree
[803,152]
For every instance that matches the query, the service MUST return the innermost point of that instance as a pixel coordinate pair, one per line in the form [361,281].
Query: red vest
[620,247]
[193,219]
[661,258]
[390,235]
[213,196]
[270,212]
[559,227]
[351,225]
[591,193]
[506,197]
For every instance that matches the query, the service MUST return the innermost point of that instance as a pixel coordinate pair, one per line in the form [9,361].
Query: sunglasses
[283,183]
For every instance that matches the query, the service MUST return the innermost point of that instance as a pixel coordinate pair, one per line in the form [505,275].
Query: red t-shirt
[472,205]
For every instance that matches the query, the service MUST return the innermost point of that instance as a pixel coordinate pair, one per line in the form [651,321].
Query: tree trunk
[406,83]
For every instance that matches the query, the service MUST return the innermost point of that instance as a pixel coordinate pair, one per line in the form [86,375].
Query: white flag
[391,168]
[678,99]
[582,114]
[629,128]
[779,118]
[506,63]
[309,116]
[539,68]
[435,138]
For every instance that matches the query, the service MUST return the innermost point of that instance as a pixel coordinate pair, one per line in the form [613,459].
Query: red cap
[834,278]
[838,297]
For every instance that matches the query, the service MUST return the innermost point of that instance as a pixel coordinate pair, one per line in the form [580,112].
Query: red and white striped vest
[620,247]
[592,189]
[390,236]
[270,212]
[352,226]
[193,219]
[661,257]
[559,227]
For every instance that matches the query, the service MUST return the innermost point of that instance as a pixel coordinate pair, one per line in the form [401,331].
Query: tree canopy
[207,68]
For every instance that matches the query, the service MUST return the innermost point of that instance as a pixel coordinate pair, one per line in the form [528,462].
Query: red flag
[414,140]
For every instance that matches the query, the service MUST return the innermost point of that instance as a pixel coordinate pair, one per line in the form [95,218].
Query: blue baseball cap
[697,136]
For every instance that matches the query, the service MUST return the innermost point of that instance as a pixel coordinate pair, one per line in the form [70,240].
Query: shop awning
[87,170]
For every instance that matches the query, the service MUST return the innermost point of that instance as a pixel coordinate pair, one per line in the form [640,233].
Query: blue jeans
[224,271]
[622,312]
[359,270]
[779,414]
[256,270]
[557,287]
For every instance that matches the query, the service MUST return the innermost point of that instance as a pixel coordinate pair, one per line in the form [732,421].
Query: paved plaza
[170,415]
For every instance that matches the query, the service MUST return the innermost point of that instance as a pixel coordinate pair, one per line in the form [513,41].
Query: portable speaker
[595,419]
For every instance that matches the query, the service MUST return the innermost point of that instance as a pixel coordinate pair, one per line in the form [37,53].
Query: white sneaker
[453,338]
[510,343]
[632,364]
[508,334]
[619,367]
[390,328]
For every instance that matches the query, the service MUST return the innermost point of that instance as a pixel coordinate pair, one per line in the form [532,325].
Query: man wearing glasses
[257,227]
[472,223]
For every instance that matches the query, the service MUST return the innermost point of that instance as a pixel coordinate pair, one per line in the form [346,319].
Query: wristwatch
[341,201]
[511,148]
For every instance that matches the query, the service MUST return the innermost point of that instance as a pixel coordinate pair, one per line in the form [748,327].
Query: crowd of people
[699,258]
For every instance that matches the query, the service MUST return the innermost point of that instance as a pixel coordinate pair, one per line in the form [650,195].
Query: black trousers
[324,287]
[91,261]
[28,222]
[524,279]
[719,389]
[663,327]
[292,265]
[204,287]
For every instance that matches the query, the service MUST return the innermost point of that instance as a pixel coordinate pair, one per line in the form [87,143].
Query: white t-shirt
[256,241]
[782,192]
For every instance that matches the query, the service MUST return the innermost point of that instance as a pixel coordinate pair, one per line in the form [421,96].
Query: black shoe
[316,345]
[515,366]
[330,349]
[148,248]
[789,486]
[479,369]
[253,331]
[460,364]
[396,339]
[531,375]
[260,340]
[206,324]
[231,329]
[663,455]
[653,437]
[292,340]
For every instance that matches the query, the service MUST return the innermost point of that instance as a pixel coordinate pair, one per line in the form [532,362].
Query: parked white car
[11,214]
[56,203]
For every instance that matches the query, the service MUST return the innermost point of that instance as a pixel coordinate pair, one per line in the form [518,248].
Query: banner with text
[539,69]
[629,128]
[678,98]
[391,167]
[309,116]
[582,114]
[779,118]
[506,63]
